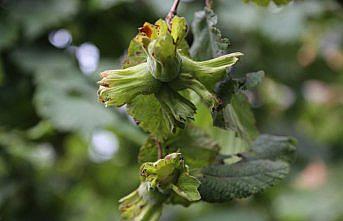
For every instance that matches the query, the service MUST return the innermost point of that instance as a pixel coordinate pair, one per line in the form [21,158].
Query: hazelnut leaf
[263,166]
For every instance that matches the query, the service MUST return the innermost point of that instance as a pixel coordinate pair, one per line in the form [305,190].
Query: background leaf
[208,41]
[63,94]
[36,17]
[267,2]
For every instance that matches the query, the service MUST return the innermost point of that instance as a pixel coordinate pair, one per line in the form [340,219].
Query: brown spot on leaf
[146,29]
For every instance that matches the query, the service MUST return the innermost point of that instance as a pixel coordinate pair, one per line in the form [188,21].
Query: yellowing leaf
[187,187]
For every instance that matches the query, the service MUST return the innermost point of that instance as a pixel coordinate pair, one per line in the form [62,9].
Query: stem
[209,3]
[172,12]
[159,149]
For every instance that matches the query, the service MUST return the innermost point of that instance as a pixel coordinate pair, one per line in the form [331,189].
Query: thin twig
[209,3]
[173,11]
[159,149]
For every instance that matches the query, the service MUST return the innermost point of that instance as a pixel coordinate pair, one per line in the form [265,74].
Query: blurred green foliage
[52,164]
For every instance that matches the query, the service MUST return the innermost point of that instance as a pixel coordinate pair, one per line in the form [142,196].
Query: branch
[159,149]
[172,12]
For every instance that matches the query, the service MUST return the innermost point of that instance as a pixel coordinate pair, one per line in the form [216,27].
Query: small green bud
[166,180]
[164,171]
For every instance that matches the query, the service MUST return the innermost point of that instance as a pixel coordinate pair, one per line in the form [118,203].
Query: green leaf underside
[160,114]
[148,151]
[208,41]
[235,113]
[148,112]
[262,167]
[238,117]
[267,2]
[198,148]
[228,140]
